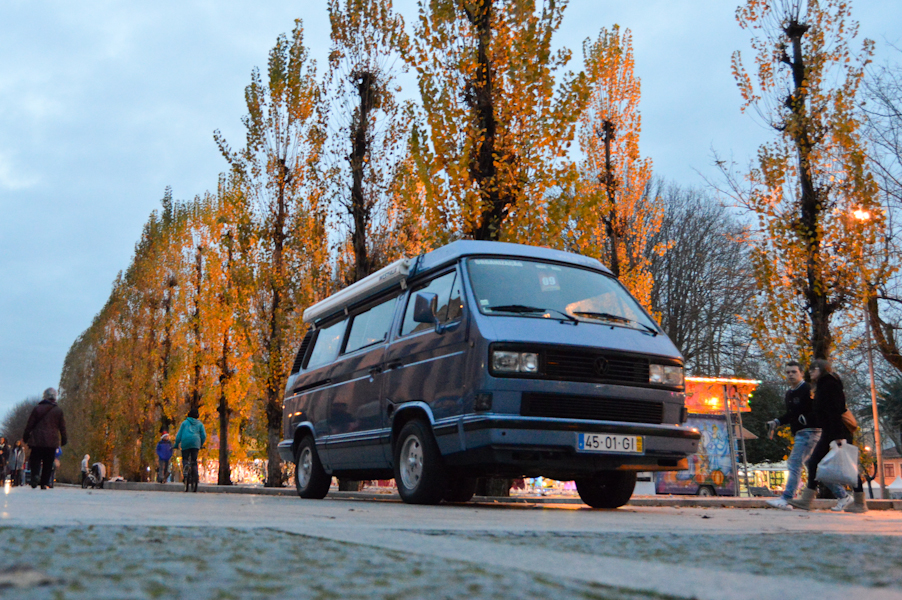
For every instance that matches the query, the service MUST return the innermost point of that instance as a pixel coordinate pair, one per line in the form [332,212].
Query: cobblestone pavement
[871,561]
[194,562]
[73,543]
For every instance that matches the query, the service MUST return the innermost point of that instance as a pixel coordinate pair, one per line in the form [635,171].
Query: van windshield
[542,290]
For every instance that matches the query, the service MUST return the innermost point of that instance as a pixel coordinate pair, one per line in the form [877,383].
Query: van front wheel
[419,472]
[607,489]
[310,479]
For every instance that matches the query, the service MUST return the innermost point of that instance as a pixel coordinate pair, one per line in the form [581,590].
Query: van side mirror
[424,308]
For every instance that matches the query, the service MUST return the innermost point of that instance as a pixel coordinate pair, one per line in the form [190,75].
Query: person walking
[800,418]
[190,438]
[17,463]
[44,433]
[85,467]
[828,405]
[4,458]
[164,454]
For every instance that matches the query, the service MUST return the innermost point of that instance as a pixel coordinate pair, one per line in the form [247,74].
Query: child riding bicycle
[190,438]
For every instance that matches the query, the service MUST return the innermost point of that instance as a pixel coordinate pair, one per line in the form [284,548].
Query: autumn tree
[118,374]
[496,125]
[222,228]
[369,128]
[807,182]
[613,217]
[277,171]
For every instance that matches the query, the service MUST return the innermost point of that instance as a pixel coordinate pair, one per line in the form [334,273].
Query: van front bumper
[514,446]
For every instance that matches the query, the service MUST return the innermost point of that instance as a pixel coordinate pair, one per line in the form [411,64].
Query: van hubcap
[305,467]
[411,462]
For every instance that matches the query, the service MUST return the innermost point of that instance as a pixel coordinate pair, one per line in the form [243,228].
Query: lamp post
[863,215]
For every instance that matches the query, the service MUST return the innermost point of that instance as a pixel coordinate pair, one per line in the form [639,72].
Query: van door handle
[375,370]
[393,365]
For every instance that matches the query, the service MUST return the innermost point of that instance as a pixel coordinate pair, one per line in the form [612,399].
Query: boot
[805,501]
[858,505]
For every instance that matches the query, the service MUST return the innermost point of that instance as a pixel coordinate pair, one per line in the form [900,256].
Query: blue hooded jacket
[191,434]
[164,449]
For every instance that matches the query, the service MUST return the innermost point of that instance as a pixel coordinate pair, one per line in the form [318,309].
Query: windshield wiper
[615,318]
[522,308]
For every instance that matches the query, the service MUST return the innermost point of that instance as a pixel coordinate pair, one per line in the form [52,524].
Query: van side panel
[355,414]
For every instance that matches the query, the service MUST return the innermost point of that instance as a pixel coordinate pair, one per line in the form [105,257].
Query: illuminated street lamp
[863,215]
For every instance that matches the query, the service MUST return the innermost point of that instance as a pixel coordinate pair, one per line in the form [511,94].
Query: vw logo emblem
[601,365]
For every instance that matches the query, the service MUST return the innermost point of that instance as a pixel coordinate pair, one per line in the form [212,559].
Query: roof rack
[383,279]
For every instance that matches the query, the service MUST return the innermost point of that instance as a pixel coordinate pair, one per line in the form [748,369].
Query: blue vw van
[484,359]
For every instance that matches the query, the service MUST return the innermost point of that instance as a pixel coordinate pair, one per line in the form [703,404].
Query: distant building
[892,465]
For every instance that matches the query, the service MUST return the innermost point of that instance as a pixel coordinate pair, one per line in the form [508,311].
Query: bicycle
[189,469]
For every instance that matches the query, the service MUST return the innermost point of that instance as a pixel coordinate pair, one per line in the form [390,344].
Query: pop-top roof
[397,273]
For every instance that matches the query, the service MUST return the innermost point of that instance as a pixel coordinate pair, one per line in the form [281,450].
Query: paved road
[73,543]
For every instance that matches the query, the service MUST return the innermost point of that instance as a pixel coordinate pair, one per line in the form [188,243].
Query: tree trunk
[812,210]
[194,403]
[225,470]
[884,335]
[610,185]
[482,103]
[360,149]
[497,487]
[274,354]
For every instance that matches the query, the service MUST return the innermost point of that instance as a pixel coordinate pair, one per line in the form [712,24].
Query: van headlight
[505,361]
[665,375]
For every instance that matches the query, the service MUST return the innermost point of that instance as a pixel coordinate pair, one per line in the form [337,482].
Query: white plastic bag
[840,465]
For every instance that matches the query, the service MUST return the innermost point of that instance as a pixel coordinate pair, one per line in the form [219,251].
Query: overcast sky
[104,104]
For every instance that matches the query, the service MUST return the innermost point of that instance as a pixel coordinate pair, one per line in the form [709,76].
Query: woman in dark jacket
[829,404]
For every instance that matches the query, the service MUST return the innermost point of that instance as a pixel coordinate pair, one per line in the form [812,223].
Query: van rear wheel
[419,470]
[607,489]
[460,489]
[310,479]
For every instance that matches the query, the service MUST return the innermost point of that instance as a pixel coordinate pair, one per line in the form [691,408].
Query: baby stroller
[94,478]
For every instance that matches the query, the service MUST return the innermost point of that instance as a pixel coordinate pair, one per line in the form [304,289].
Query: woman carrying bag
[828,406]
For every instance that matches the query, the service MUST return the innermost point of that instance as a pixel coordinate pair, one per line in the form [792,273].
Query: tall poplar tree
[810,179]
[277,171]
[496,124]
[615,218]
[370,130]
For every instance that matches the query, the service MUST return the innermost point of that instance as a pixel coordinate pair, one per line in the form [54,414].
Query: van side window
[456,303]
[440,286]
[371,327]
[328,341]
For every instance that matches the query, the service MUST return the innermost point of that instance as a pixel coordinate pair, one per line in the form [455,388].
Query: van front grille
[591,407]
[582,365]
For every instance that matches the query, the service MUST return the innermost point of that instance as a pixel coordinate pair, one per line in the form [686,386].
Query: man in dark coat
[44,433]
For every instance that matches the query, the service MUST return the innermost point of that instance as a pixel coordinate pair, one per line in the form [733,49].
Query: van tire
[419,470]
[460,489]
[310,479]
[607,489]
[706,491]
